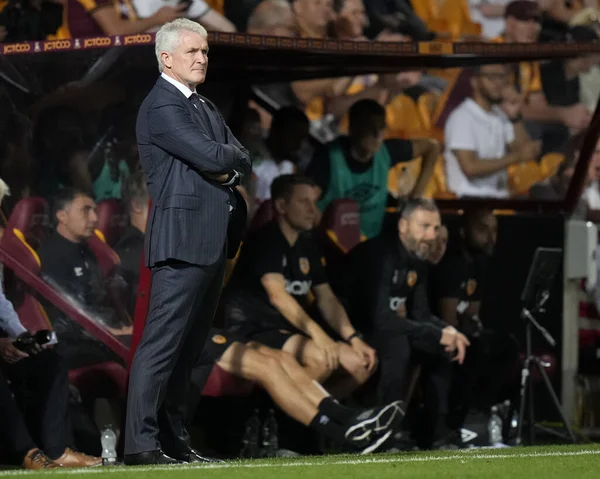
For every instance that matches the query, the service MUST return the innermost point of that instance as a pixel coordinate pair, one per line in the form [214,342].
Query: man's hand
[448,337]
[452,341]
[124,331]
[365,352]
[576,117]
[219,178]
[330,349]
[460,347]
[9,353]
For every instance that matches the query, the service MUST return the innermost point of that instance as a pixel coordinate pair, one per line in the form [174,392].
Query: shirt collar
[180,86]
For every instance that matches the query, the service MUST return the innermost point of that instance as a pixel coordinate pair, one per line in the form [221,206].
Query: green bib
[368,189]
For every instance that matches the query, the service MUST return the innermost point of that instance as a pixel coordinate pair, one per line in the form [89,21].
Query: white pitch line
[466,454]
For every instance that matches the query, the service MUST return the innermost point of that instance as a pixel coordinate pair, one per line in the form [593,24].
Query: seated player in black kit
[68,264]
[267,298]
[295,392]
[457,286]
[387,297]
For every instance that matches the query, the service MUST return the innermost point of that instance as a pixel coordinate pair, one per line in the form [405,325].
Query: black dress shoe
[192,455]
[150,457]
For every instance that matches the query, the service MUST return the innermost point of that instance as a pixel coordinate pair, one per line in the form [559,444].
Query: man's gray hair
[263,17]
[167,38]
[415,204]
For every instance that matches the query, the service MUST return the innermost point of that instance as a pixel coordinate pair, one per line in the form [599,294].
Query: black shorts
[270,336]
[218,341]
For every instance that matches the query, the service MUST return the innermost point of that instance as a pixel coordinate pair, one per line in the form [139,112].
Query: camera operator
[457,292]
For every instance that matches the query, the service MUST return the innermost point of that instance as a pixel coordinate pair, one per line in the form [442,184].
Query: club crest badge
[218,339]
[411,278]
[304,265]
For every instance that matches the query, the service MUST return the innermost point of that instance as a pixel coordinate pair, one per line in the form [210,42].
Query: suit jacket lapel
[214,122]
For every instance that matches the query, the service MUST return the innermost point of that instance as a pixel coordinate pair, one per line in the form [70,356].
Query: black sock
[336,411]
[327,426]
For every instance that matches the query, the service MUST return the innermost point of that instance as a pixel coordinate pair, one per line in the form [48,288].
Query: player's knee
[356,368]
[317,367]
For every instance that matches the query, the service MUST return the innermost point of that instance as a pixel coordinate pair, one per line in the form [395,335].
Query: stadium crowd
[346,337]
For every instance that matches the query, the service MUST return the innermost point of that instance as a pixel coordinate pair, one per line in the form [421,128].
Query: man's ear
[166,59]
[61,216]
[403,225]
[278,204]
[136,207]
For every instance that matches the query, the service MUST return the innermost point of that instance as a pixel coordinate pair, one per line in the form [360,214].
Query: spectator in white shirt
[490,15]
[198,11]
[481,139]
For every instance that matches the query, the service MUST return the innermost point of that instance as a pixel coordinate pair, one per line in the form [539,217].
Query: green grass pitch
[535,462]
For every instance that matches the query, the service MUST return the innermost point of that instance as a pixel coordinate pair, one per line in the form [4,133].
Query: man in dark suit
[192,163]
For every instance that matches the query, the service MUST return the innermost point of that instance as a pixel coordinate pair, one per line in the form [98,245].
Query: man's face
[482,232]
[79,218]
[315,13]
[287,27]
[251,130]
[523,31]
[300,211]
[419,232]
[189,62]
[440,246]
[354,17]
[293,138]
[367,145]
[490,82]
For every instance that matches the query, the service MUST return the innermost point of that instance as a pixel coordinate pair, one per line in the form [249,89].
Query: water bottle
[270,442]
[109,444]
[495,427]
[250,440]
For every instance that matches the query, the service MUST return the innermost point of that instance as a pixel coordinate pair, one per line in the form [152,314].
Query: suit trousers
[397,353]
[484,375]
[37,415]
[183,301]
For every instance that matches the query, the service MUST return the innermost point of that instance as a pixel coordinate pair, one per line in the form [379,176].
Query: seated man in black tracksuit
[386,292]
[456,293]
[70,266]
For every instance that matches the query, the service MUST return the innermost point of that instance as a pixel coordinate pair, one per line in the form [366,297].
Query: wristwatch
[355,334]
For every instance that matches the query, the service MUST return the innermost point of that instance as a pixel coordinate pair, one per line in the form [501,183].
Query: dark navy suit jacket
[178,145]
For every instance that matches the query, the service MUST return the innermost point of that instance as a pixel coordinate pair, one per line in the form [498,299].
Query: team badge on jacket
[411,278]
[304,266]
[218,339]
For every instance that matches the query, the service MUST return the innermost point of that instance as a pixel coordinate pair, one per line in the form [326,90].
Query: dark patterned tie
[209,120]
